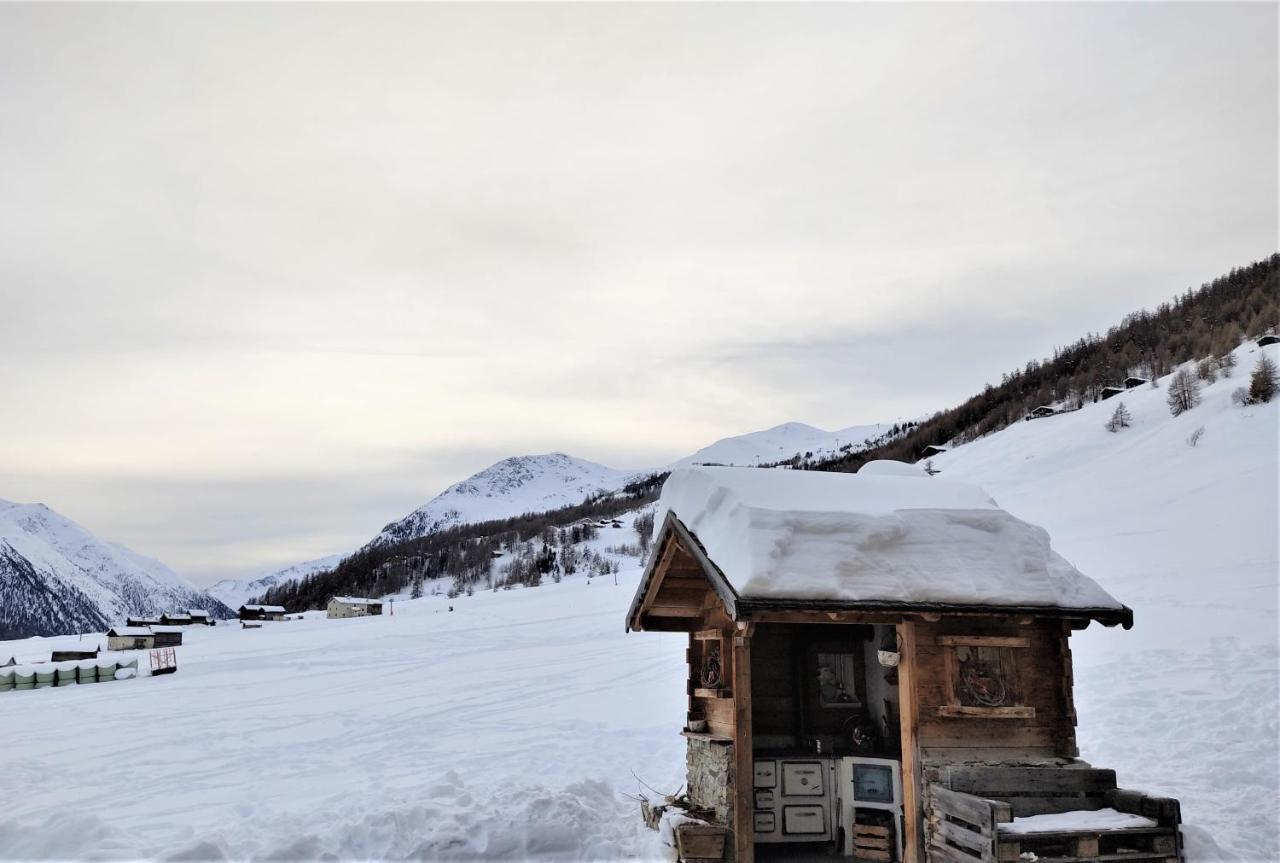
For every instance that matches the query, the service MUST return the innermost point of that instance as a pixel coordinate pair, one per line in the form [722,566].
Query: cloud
[255,247]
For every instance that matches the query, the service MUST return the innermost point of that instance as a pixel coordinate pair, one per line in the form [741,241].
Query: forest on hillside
[535,544]
[1206,322]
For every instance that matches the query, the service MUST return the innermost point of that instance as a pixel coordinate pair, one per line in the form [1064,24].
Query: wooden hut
[261,612]
[933,449]
[200,616]
[67,655]
[1108,392]
[142,621]
[879,667]
[175,619]
[130,638]
[167,636]
[1041,412]
[353,606]
[1134,381]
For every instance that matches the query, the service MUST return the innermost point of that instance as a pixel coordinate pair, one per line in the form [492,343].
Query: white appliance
[868,784]
[793,799]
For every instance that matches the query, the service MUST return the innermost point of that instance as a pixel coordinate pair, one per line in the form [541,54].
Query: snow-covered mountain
[536,483]
[56,577]
[781,443]
[234,592]
[513,486]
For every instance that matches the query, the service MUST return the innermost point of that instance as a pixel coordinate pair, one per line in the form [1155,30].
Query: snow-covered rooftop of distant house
[129,631]
[273,608]
[197,612]
[357,600]
[890,535]
[166,629]
[176,617]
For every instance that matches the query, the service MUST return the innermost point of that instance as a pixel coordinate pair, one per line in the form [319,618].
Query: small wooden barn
[1134,381]
[879,668]
[1041,412]
[1108,392]
[175,619]
[167,636]
[142,621]
[353,606]
[130,638]
[932,449]
[199,616]
[262,612]
[68,655]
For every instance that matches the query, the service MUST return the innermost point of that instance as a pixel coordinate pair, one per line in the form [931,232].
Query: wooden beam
[909,719]
[743,751]
[865,617]
[955,711]
[982,641]
[673,611]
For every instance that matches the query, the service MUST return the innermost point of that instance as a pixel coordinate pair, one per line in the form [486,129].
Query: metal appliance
[794,799]
[868,785]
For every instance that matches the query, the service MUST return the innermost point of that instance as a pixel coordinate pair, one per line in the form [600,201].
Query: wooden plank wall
[1043,681]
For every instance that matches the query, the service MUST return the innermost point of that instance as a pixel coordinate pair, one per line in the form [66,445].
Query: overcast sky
[274,276]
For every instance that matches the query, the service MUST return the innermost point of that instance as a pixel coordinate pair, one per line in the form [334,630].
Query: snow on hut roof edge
[786,535]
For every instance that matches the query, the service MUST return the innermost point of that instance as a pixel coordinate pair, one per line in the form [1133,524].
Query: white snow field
[1186,703]
[508,728]
[502,730]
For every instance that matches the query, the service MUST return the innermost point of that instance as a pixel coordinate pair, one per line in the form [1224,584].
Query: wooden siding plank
[744,758]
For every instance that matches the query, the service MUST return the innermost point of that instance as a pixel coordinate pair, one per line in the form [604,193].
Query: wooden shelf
[956,711]
[706,735]
[713,693]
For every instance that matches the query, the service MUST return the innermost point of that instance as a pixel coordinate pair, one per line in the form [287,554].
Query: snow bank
[1097,819]
[887,538]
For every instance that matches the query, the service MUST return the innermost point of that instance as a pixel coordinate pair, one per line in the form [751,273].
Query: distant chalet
[1041,412]
[353,606]
[130,638]
[261,612]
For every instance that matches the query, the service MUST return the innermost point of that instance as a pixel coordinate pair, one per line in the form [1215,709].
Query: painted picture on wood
[837,685]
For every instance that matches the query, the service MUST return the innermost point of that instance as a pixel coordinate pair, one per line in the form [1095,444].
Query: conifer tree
[1120,419]
[1263,383]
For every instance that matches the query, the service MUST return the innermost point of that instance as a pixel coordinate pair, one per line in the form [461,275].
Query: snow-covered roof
[271,608]
[881,537]
[356,600]
[129,631]
[197,612]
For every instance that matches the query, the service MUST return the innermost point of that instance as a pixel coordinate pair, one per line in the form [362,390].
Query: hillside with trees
[526,548]
[1206,322]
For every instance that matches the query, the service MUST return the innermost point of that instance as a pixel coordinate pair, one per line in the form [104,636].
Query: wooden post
[909,718]
[744,759]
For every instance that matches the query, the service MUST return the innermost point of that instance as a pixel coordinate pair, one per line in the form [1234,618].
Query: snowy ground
[508,728]
[1185,703]
[504,729]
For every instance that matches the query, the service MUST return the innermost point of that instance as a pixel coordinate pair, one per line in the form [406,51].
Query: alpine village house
[879,668]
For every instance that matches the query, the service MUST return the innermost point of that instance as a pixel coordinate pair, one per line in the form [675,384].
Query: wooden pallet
[872,842]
